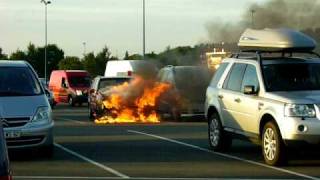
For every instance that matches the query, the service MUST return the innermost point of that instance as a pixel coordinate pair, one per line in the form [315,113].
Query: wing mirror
[249,90]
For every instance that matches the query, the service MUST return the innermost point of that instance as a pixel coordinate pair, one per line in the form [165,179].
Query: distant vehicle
[70,86]
[190,83]
[99,85]
[127,68]
[25,111]
[270,96]
[49,93]
[5,171]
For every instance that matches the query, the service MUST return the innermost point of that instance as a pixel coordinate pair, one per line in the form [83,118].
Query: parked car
[189,83]
[26,113]
[99,85]
[269,98]
[70,86]
[5,171]
[49,93]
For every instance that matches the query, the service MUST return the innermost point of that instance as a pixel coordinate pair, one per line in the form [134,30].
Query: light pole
[45,2]
[252,18]
[84,49]
[144,29]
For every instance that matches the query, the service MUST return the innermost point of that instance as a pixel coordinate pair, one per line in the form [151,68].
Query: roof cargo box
[275,40]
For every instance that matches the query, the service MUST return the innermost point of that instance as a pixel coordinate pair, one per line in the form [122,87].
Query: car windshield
[79,81]
[292,77]
[105,83]
[18,81]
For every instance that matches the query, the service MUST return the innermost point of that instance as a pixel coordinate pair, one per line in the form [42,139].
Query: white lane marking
[134,178]
[117,173]
[72,120]
[225,155]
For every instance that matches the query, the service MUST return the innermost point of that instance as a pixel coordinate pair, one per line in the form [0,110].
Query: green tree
[89,64]
[2,56]
[126,56]
[70,63]
[18,55]
[101,60]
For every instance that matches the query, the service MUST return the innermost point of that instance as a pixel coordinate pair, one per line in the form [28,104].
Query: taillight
[129,73]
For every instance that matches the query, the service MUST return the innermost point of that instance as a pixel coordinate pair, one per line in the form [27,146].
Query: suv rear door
[229,96]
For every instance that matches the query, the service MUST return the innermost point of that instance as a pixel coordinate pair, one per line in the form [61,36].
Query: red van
[70,86]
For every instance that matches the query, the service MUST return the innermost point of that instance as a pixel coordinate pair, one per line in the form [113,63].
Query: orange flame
[133,102]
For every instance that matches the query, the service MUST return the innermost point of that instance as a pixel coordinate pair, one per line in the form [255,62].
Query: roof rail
[258,54]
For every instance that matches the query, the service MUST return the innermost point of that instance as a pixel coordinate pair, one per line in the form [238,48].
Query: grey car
[26,113]
[268,97]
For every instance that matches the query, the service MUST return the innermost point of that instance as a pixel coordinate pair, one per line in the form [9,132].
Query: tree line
[95,63]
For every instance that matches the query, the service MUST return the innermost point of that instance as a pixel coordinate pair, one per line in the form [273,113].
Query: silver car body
[18,112]
[244,114]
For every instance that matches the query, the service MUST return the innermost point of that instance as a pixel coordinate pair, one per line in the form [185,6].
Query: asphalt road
[169,150]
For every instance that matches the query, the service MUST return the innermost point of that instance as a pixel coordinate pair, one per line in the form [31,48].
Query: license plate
[12,134]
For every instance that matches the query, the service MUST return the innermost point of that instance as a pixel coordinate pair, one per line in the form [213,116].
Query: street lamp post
[144,29]
[45,2]
[84,48]
[252,18]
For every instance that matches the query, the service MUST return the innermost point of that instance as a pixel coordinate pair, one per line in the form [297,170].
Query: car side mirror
[64,85]
[249,90]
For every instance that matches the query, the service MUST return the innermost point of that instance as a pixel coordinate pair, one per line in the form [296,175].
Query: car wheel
[273,148]
[175,114]
[91,117]
[71,101]
[218,139]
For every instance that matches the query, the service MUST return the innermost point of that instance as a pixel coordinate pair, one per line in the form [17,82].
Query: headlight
[78,92]
[300,110]
[42,116]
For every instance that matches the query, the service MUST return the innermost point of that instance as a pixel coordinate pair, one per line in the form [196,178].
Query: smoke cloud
[301,15]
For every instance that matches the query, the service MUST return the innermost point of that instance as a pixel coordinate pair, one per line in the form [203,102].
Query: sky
[113,23]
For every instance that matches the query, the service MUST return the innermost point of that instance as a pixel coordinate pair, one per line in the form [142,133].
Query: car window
[235,76]
[218,74]
[292,77]
[18,81]
[250,78]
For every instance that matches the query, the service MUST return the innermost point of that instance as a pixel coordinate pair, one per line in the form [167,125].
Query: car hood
[22,106]
[298,97]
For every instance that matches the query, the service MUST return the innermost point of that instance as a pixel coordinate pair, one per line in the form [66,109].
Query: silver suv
[273,101]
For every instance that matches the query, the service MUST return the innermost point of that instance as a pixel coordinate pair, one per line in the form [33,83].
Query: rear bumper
[31,136]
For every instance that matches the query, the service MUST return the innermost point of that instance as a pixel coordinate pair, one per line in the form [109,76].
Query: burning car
[99,85]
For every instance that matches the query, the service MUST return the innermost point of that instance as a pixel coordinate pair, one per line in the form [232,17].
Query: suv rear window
[18,81]
[235,76]
[292,77]
[218,74]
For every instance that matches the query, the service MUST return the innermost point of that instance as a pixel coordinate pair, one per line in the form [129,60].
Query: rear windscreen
[192,82]
[79,81]
[18,81]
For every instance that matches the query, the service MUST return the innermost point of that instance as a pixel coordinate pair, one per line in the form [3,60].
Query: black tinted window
[235,77]
[18,81]
[79,81]
[292,77]
[218,74]
[250,78]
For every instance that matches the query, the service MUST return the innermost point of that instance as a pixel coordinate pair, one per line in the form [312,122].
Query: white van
[24,108]
[127,68]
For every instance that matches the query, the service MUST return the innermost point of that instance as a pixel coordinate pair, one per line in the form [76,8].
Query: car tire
[91,117]
[273,148]
[219,140]
[71,101]
[47,151]
[175,114]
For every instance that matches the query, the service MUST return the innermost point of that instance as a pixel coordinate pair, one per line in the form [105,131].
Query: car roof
[15,63]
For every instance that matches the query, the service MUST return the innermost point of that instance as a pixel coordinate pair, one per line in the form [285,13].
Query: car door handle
[220,96]
[238,100]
